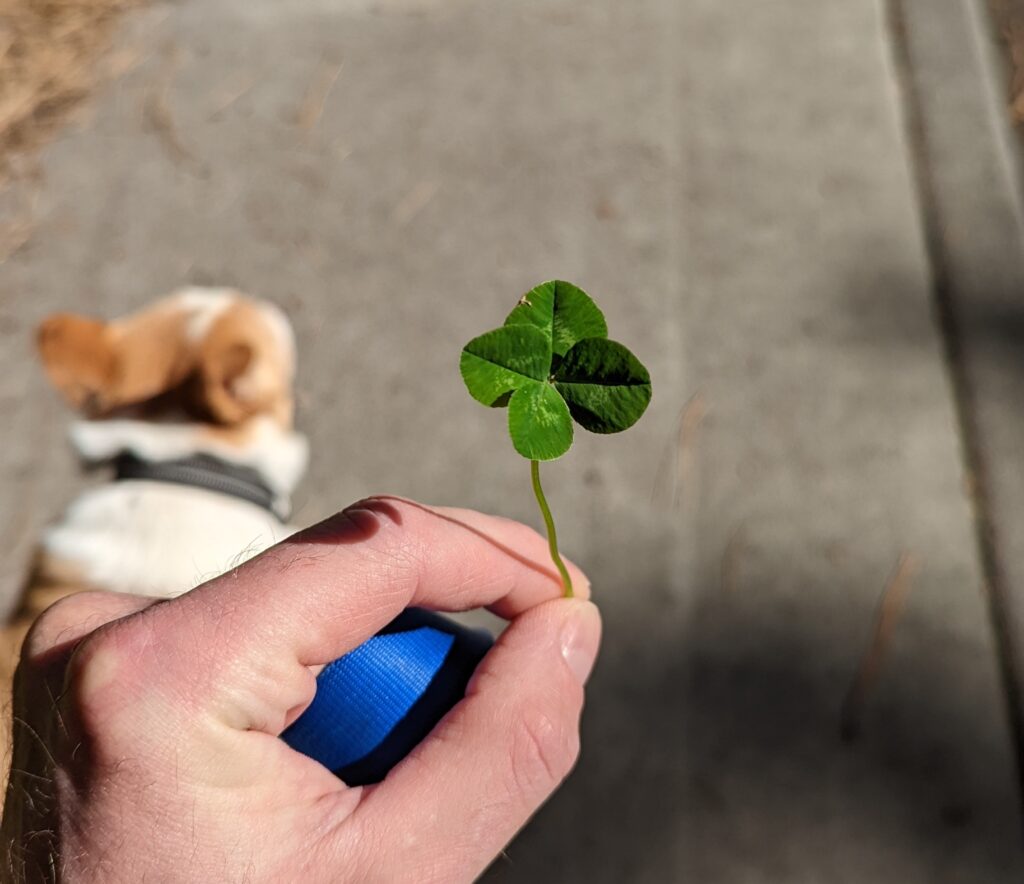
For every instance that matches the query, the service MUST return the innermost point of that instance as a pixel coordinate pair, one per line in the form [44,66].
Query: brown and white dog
[191,399]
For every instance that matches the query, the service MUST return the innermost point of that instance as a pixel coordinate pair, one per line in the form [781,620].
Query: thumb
[491,763]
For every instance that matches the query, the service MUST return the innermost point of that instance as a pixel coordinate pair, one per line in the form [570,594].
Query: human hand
[155,754]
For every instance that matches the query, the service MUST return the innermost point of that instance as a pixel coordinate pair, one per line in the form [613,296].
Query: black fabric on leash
[201,471]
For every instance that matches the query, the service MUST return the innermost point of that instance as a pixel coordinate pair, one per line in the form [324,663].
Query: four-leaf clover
[551,363]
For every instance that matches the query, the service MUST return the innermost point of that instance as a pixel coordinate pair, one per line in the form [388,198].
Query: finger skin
[461,796]
[36,727]
[164,712]
[318,595]
[342,580]
[527,541]
[325,590]
[61,626]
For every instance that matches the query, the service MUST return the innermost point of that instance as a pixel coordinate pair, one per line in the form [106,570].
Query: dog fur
[201,371]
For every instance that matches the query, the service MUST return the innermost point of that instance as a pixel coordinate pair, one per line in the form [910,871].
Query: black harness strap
[200,471]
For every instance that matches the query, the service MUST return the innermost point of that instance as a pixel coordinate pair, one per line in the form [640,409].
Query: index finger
[326,589]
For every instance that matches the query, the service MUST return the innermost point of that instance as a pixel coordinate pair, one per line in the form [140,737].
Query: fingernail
[581,635]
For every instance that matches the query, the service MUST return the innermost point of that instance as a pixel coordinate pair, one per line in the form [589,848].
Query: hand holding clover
[552,363]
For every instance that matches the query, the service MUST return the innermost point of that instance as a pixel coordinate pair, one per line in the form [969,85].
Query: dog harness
[201,471]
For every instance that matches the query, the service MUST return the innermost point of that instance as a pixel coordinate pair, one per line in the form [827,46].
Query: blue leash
[373,705]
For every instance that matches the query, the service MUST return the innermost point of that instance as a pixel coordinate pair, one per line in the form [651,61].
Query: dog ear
[222,370]
[242,371]
[79,357]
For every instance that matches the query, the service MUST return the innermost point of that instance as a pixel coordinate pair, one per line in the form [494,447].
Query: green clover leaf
[552,363]
[565,314]
[501,361]
[607,387]
[539,422]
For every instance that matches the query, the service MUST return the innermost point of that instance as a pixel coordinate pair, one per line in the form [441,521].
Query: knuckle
[105,676]
[63,622]
[544,750]
[94,666]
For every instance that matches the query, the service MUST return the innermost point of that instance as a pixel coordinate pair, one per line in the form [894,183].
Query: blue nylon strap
[361,697]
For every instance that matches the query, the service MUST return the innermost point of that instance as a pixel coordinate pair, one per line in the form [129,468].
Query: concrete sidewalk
[733,184]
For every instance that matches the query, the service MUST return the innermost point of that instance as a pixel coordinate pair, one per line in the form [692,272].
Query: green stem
[550,524]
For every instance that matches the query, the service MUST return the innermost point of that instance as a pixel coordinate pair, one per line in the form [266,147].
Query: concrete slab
[732,183]
[970,188]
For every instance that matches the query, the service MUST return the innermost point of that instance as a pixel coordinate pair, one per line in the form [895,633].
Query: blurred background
[804,217]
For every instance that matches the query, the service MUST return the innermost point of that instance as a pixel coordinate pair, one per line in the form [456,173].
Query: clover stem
[549,523]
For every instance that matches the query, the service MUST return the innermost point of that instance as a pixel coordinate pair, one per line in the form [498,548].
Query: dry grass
[1009,22]
[890,607]
[50,54]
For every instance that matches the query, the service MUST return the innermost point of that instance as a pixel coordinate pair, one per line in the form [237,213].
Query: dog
[190,402]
